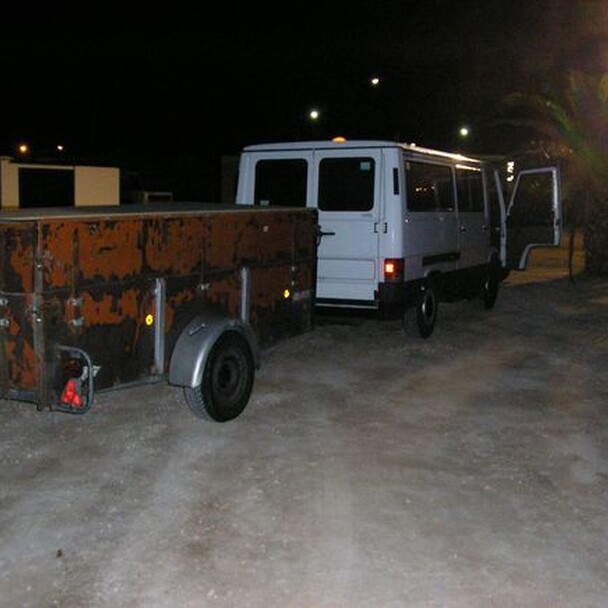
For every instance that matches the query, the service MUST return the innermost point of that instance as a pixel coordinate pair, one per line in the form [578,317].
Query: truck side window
[429,187]
[281,182]
[469,188]
[346,184]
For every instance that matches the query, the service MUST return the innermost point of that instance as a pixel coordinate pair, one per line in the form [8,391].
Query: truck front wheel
[227,380]
[489,292]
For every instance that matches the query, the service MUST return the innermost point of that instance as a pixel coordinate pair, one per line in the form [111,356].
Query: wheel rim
[229,377]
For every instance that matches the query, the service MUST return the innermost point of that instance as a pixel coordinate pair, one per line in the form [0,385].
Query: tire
[420,319]
[227,380]
[489,289]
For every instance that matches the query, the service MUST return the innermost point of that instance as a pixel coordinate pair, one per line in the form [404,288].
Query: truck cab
[401,227]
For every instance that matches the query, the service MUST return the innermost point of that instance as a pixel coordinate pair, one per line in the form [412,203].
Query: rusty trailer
[102,298]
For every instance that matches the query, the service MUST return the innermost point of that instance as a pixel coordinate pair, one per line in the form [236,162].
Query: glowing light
[464,131]
[375,81]
[23,148]
[339,139]
[286,294]
[314,115]
[149,320]
[510,171]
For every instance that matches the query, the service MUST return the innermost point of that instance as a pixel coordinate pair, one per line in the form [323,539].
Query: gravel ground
[368,470]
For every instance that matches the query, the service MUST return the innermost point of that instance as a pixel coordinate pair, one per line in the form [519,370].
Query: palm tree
[573,117]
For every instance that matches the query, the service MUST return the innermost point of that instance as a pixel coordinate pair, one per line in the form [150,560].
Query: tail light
[73,383]
[71,395]
[393,270]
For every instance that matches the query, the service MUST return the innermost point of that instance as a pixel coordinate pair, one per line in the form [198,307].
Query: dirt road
[369,470]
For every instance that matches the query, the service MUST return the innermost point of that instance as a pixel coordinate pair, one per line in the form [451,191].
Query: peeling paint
[97,278]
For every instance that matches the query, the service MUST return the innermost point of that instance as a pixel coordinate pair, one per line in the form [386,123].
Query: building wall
[92,185]
[96,186]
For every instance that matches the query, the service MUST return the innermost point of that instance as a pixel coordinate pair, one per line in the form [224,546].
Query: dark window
[46,188]
[429,187]
[470,189]
[346,184]
[494,207]
[533,205]
[281,182]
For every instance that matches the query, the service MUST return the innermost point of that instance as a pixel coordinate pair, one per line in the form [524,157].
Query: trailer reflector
[71,394]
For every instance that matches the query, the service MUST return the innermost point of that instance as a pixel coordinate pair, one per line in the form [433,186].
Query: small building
[29,185]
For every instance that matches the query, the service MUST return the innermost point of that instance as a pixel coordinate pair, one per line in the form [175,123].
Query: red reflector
[393,269]
[70,394]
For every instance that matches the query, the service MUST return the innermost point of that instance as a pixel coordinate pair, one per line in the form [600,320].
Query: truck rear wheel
[420,319]
[227,380]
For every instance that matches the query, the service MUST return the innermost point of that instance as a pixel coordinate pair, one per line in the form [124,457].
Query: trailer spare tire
[227,380]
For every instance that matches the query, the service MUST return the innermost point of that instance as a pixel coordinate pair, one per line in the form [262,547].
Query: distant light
[59,147]
[375,81]
[339,139]
[23,148]
[464,131]
[286,293]
[314,115]
[149,320]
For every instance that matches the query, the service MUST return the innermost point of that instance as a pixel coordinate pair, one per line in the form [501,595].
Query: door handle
[321,234]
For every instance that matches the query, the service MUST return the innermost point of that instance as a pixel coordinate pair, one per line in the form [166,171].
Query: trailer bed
[120,284]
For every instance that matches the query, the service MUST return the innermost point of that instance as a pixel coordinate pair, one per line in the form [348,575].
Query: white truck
[402,228]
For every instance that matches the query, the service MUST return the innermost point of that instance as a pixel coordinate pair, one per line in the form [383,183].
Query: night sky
[171,93]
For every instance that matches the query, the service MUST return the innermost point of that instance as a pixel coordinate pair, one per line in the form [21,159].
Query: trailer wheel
[489,291]
[419,320]
[227,380]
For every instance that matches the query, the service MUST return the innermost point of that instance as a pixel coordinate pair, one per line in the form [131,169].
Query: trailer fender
[196,342]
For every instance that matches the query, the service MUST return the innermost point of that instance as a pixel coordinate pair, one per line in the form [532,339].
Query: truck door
[533,214]
[275,178]
[348,194]
[473,225]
